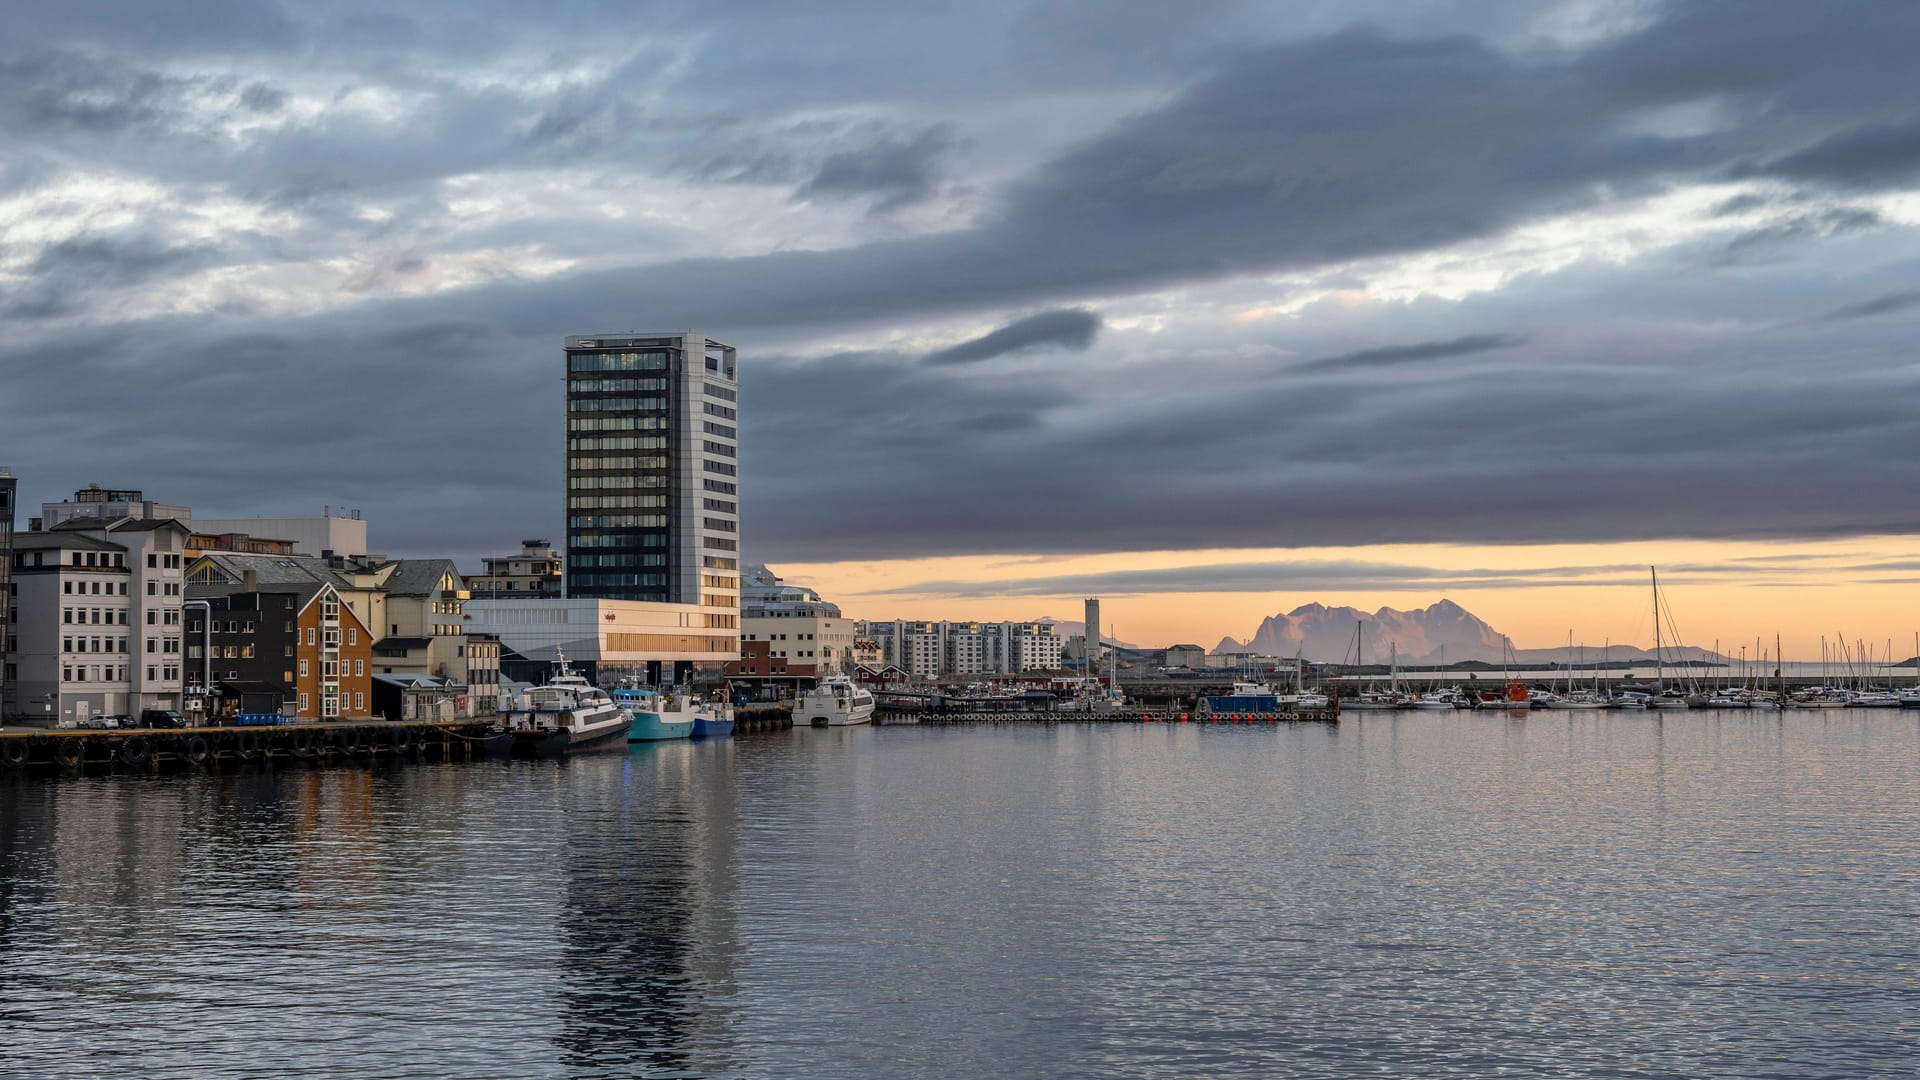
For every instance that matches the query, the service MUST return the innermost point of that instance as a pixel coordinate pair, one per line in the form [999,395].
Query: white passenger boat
[568,714]
[837,702]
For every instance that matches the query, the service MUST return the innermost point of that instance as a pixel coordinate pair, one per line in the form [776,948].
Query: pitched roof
[43,541]
[399,646]
[268,570]
[419,577]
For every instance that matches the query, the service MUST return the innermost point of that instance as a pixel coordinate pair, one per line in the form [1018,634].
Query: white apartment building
[939,649]
[98,626]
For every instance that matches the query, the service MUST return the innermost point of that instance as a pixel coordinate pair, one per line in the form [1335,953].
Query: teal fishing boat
[653,718]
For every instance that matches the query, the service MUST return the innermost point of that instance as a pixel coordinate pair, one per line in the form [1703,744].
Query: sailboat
[1663,698]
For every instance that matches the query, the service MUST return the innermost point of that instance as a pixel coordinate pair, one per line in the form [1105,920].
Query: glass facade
[618,493]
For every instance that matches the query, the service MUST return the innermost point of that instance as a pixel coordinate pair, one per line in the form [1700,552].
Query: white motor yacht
[837,702]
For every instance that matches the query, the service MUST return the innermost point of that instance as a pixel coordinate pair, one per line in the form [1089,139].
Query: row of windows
[332,703]
[618,502]
[585,580]
[592,483]
[720,429]
[722,449]
[80,615]
[332,669]
[617,561]
[723,622]
[113,673]
[616,404]
[720,524]
[720,467]
[717,562]
[618,442]
[617,521]
[720,544]
[720,392]
[719,581]
[73,645]
[721,505]
[651,461]
[80,587]
[171,588]
[615,386]
[617,423]
[617,361]
[721,486]
[154,562]
[617,540]
[718,410]
[714,600]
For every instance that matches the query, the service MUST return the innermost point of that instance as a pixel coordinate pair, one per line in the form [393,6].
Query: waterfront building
[482,654]
[607,640]
[7,494]
[866,653]
[534,572]
[202,542]
[98,619]
[288,644]
[928,650]
[805,634]
[652,471]
[411,612]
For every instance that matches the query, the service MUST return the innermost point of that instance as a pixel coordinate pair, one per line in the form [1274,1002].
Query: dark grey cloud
[1396,355]
[1873,155]
[1885,304]
[1071,329]
[1063,163]
[894,172]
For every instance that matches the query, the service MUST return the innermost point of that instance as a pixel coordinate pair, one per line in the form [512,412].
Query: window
[303,672]
[353,636]
[313,637]
[303,702]
[153,561]
[153,588]
[69,587]
[359,667]
[359,700]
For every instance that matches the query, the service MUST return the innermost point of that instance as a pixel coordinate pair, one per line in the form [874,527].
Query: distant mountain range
[1443,632]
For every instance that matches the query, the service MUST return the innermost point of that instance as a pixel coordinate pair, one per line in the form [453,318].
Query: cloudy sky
[1214,308]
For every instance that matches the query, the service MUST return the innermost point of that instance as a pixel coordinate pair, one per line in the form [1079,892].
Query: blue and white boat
[1247,697]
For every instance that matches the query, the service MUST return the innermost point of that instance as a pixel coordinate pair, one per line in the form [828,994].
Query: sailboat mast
[1659,664]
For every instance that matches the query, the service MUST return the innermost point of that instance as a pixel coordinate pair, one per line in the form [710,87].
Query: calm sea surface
[1413,894]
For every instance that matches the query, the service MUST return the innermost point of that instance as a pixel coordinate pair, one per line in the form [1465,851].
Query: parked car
[107,721]
[162,718]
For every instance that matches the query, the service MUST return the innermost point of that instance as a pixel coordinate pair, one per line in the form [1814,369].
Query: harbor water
[1628,895]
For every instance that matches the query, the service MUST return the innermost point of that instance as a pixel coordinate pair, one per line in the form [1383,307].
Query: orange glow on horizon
[1732,592]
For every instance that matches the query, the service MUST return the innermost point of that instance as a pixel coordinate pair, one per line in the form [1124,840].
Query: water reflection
[1401,894]
[648,944]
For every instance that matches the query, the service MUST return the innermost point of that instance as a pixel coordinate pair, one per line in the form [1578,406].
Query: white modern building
[807,633]
[608,640]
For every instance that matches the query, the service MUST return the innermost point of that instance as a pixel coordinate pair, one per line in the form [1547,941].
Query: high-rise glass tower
[653,471]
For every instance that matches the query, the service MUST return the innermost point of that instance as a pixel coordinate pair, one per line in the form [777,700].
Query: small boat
[1441,699]
[1668,699]
[1580,699]
[566,715]
[1246,697]
[1514,698]
[1910,699]
[836,702]
[1630,699]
